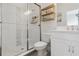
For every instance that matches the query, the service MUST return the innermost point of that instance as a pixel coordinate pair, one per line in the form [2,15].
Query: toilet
[41,48]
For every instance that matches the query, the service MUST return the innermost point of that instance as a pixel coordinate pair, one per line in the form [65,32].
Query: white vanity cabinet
[60,48]
[64,44]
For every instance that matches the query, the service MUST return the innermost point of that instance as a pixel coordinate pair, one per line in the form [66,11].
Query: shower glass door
[33,25]
[20,27]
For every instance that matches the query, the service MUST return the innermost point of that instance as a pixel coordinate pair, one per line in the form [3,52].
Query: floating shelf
[48,7]
[45,19]
[48,13]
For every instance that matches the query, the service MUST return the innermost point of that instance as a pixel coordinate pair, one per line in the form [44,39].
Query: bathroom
[30,29]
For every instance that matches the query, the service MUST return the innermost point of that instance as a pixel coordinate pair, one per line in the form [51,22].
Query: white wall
[47,26]
[61,8]
[43,5]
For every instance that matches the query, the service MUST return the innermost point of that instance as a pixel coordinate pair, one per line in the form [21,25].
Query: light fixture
[28,12]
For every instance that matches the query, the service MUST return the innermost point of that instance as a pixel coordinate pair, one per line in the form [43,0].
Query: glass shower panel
[21,29]
[14,33]
[33,25]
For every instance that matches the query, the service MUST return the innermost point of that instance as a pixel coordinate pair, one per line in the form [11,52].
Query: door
[60,47]
[33,27]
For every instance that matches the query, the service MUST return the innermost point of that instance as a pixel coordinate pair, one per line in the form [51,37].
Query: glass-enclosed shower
[18,29]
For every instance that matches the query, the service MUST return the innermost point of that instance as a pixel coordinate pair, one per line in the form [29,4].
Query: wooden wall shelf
[48,7]
[48,13]
[44,19]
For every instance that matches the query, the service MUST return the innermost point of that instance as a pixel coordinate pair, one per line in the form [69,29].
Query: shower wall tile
[4,11]
[12,13]
[47,27]
[21,35]
[9,39]
[34,35]
[20,5]
[14,38]
[14,25]
[20,17]
[8,13]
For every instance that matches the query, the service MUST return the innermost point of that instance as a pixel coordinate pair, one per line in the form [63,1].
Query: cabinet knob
[69,49]
[72,49]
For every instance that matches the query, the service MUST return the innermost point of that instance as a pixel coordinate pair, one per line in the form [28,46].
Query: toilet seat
[40,47]
[40,44]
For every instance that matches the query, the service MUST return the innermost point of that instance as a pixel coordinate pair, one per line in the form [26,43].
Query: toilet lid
[39,44]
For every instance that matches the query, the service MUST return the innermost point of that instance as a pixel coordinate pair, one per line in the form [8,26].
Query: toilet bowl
[41,48]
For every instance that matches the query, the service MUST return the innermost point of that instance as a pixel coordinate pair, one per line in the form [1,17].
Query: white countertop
[60,31]
[65,31]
